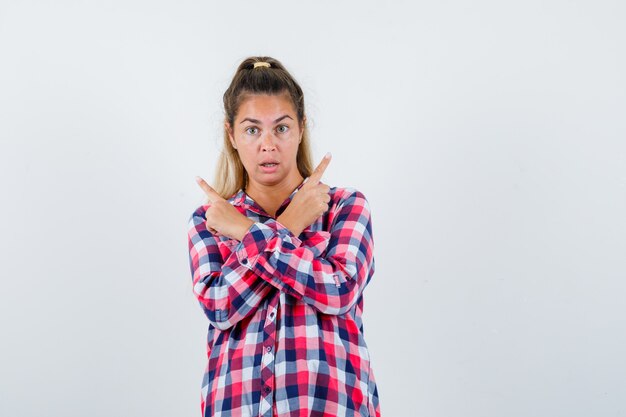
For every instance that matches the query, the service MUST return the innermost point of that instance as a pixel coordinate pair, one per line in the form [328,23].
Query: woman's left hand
[221,216]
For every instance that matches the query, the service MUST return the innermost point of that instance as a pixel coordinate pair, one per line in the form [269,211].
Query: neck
[270,197]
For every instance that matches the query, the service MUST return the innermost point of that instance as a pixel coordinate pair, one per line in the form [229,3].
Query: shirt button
[272,315]
[244,261]
[268,348]
[267,389]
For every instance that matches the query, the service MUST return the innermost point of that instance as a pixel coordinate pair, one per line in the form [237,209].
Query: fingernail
[198,179]
[327,155]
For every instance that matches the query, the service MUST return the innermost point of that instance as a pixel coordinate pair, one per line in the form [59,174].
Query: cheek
[249,163]
[245,157]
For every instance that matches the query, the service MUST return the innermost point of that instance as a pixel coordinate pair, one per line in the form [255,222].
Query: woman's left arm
[331,283]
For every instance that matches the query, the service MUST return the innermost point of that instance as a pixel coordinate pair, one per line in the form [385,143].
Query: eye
[251,127]
[283,131]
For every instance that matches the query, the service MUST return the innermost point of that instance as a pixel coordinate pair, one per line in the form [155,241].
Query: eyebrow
[258,121]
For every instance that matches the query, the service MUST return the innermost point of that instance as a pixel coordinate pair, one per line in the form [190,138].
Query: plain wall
[489,138]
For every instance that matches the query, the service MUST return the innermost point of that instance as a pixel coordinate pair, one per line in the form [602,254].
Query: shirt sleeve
[331,282]
[227,291]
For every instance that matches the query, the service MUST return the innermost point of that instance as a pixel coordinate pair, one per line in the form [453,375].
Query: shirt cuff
[261,237]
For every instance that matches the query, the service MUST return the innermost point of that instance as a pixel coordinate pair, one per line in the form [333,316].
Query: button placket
[267,363]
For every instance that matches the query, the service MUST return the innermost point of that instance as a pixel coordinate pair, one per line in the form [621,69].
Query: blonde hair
[230,174]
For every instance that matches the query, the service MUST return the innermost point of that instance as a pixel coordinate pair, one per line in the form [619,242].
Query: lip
[269,170]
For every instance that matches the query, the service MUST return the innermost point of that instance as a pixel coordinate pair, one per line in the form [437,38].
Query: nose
[267,142]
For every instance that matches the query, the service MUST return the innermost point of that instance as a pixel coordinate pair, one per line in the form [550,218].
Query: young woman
[279,262]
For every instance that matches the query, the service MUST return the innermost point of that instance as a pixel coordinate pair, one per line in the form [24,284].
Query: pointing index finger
[316,176]
[209,191]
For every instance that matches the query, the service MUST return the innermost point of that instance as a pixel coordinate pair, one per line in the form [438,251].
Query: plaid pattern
[285,335]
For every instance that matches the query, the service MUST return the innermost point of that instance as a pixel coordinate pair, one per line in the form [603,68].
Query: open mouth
[269,167]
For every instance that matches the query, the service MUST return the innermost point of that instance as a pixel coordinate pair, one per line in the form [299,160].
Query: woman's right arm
[227,291]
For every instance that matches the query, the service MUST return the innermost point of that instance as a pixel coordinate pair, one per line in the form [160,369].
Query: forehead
[266,107]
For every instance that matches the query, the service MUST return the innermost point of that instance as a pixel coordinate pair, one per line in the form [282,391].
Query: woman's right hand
[309,203]
[221,216]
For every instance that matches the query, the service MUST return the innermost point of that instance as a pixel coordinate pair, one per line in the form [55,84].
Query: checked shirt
[285,335]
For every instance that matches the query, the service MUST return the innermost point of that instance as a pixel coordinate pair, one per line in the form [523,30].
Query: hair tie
[261,64]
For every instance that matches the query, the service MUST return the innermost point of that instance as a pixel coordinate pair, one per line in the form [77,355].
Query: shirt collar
[240,198]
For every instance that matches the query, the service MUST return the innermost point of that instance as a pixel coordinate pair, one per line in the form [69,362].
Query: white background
[489,138]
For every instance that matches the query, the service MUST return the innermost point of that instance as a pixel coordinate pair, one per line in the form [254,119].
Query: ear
[230,134]
[302,128]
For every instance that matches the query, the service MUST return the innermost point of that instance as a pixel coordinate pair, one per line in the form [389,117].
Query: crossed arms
[327,270]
